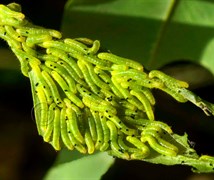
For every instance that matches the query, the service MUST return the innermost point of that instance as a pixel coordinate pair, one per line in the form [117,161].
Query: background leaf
[73,165]
[153,32]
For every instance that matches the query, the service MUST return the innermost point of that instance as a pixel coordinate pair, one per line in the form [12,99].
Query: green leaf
[73,165]
[153,32]
[186,156]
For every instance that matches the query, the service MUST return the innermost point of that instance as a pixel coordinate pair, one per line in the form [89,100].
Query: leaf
[153,32]
[125,27]
[186,156]
[73,165]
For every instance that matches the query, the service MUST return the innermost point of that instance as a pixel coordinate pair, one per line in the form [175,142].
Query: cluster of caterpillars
[88,99]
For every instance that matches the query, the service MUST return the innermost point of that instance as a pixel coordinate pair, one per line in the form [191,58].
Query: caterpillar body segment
[50,124]
[59,53]
[72,73]
[63,72]
[95,61]
[169,81]
[94,48]
[147,106]
[119,60]
[24,64]
[35,30]
[141,146]
[121,125]
[60,46]
[43,109]
[56,130]
[95,78]
[99,129]
[53,88]
[31,41]
[64,133]
[65,88]
[76,45]
[13,34]
[89,142]
[8,12]
[47,57]
[28,49]
[106,133]
[124,92]
[73,125]
[87,77]
[77,145]
[91,125]
[157,147]
[123,144]
[86,41]
[115,148]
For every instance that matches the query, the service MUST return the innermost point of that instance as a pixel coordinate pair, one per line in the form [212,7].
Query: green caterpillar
[91,100]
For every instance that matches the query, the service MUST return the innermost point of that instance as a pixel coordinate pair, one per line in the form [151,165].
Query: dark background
[23,154]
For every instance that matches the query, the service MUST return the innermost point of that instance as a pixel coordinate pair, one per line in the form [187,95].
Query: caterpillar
[91,100]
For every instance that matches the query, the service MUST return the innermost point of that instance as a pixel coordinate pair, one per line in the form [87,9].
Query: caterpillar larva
[78,112]
[44,108]
[87,77]
[145,122]
[134,101]
[119,60]
[77,145]
[72,73]
[64,132]
[66,90]
[91,124]
[24,64]
[11,32]
[59,45]
[31,31]
[85,41]
[53,88]
[63,72]
[31,41]
[106,133]
[89,142]
[126,94]
[73,125]
[145,102]
[95,106]
[157,147]
[76,45]
[28,49]
[121,125]
[147,92]
[56,130]
[116,150]
[169,81]
[123,144]
[106,78]
[7,12]
[95,61]
[99,129]
[130,74]
[65,57]
[51,113]
[95,47]
[95,78]
[137,143]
